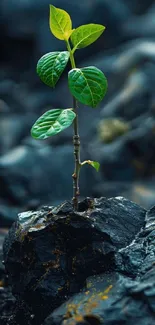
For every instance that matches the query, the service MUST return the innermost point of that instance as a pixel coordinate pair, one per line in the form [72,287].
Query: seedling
[87,85]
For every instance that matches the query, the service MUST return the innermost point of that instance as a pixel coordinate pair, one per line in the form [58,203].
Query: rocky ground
[120,134]
[96,266]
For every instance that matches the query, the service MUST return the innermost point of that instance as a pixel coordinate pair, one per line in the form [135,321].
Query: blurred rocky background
[120,134]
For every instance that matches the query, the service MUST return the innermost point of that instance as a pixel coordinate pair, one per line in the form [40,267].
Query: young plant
[87,85]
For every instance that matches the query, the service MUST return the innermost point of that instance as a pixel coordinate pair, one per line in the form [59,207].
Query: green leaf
[52,122]
[94,164]
[60,23]
[88,85]
[86,35]
[51,65]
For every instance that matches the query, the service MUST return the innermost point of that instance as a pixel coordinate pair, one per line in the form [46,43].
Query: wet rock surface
[121,297]
[29,178]
[129,65]
[34,173]
[88,257]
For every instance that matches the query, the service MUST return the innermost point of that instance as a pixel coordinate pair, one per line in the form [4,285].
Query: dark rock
[142,193]
[8,213]
[139,257]
[135,53]
[35,173]
[141,143]
[136,304]
[115,159]
[139,7]
[14,128]
[6,298]
[16,96]
[111,252]
[150,220]
[130,293]
[133,151]
[122,302]
[131,101]
[141,26]
[4,108]
[7,303]
[19,312]
[86,307]
[33,22]
[128,156]
[3,233]
[49,254]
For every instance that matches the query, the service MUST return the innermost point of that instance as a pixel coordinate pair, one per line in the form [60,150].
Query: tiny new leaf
[94,164]
[86,35]
[51,65]
[52,122]
[88,85]
[60,23]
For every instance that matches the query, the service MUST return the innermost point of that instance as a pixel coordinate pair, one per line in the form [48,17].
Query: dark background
[120,133]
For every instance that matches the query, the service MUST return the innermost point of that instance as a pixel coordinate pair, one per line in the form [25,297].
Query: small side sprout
[87,85]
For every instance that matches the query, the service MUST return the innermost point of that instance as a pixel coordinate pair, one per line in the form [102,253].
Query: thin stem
[71,55]
[76,143]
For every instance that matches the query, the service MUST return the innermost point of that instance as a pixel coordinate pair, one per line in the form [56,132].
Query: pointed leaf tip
[88,85]
[50,67]
[60,23]
[52,122]
[94,164]
[86,34]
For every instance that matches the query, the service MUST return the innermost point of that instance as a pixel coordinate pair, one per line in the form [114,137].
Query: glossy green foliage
[50,67]
[52,122]
[94,164]
[86,35]
[60,23]
[88,85]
